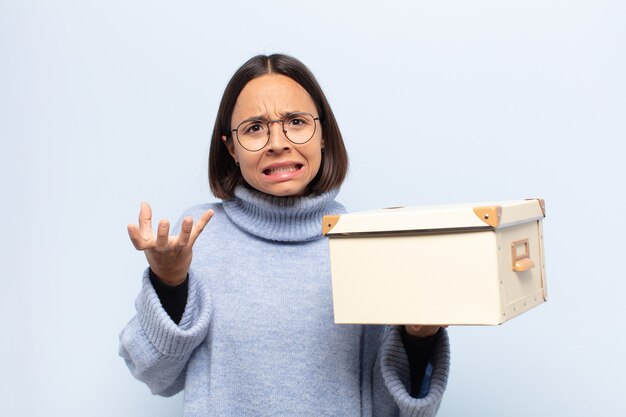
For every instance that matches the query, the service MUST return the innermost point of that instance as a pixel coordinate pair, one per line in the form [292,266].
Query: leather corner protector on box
[329,222]
[464,264]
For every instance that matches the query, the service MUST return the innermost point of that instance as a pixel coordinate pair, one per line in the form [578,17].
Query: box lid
[436,219]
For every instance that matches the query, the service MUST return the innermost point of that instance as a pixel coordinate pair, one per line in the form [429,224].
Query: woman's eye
[254,128]
[297,122]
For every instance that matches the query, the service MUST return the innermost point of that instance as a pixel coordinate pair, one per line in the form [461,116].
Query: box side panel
[523,289]
[436,279]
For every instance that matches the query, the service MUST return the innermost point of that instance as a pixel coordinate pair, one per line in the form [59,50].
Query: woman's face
[281,168]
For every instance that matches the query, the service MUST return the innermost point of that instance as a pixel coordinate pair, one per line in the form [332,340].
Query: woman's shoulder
[197,210]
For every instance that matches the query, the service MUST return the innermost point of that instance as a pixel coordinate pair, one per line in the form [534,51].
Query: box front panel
[432,279]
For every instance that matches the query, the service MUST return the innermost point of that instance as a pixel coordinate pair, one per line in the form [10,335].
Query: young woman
[246,326]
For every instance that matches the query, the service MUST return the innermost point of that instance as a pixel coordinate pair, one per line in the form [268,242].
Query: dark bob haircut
[224,175]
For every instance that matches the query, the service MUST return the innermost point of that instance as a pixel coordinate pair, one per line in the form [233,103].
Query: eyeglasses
[299,128]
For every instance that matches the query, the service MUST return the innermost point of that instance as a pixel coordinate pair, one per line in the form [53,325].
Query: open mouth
[283,169]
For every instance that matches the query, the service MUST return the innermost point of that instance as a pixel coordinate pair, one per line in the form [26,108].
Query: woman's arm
[156,348]
[391,377]
[419,351]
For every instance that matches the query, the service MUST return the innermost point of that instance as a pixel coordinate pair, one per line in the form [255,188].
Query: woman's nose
[278,138]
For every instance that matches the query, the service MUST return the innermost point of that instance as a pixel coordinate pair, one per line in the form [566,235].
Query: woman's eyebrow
[259,118]
[289,113]
[254,119]
[265,118]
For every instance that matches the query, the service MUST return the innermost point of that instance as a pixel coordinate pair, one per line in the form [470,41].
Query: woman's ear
[230,146]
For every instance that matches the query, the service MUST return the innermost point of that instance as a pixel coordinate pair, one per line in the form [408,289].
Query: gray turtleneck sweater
[257,336]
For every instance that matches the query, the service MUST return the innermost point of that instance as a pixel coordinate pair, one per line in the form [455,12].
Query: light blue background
[104,104]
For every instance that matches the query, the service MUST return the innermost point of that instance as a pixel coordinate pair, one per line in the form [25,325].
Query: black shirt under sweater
[418,349]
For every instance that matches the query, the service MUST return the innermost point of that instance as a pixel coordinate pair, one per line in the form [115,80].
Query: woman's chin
[284,189]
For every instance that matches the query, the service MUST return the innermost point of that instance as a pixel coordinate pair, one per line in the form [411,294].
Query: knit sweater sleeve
[391,378]
[154,347]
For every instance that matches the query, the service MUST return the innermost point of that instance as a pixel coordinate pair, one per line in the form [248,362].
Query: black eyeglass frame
[282,122]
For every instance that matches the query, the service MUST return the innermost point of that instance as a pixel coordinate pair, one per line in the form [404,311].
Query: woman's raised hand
[169,257]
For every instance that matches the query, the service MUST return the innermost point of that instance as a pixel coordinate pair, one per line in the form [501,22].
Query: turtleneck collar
[283,219]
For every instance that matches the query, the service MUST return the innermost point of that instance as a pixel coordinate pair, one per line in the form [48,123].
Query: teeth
[289,168]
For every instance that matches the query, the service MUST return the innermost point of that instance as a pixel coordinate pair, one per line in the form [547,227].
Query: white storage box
[479,264]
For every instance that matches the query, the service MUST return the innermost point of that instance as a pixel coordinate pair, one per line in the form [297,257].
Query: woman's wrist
[171,279]
[173,298]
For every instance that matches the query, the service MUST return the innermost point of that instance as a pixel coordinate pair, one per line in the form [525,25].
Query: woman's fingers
[145,219]
[422,330]
[200,224]
[139,241]
[185,232]
[163,232]
[143,238]
[190,232]
[133,233]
